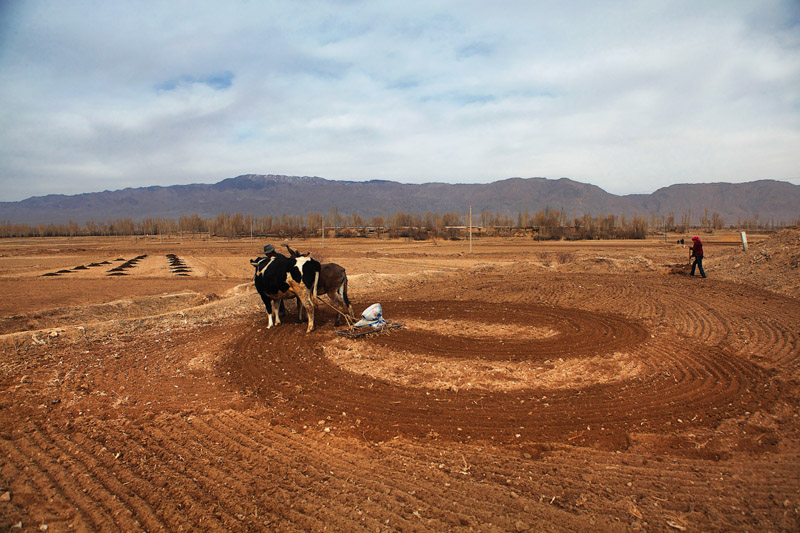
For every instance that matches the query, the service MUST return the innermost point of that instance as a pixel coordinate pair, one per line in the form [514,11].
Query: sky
[630,96]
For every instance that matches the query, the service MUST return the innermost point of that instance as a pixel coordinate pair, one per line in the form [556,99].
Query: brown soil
[557,386]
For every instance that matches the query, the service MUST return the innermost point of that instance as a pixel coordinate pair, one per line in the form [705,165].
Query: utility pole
[470,229]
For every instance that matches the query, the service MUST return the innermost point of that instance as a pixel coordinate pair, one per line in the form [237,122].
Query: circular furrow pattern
[679,379]
[695,321]
[694,381]
[642,480]
[713,313]
[783,343]
[579,332]
[696,401]
[770,332]
[769,339]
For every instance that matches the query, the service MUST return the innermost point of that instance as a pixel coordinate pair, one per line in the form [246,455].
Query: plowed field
[562,386]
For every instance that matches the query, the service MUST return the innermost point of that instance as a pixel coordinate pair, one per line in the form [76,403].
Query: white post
[744,241]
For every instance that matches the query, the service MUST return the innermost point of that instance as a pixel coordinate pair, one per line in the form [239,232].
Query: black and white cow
[280,278]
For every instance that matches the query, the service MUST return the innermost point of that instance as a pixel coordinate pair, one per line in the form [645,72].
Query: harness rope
[346,317]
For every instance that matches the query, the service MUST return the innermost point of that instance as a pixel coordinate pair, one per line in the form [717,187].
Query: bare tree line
[544,224]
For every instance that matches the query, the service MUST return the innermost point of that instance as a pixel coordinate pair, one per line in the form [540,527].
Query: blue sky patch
[218,81]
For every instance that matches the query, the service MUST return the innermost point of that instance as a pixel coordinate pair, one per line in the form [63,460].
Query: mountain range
[259,195]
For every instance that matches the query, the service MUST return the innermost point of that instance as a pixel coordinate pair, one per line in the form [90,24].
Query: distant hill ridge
[261,195]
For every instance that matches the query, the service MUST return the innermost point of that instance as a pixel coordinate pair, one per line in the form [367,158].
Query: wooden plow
[356,332]
[365,331]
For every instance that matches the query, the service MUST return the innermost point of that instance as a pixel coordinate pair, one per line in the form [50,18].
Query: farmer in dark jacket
[697,253]
[269,251]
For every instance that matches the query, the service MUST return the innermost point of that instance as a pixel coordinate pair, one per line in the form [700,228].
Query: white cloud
[630,96]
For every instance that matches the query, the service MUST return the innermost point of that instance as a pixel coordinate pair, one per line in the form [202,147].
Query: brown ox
[333,282]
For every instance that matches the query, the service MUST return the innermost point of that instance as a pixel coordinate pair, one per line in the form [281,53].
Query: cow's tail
[314,290]
[343,294]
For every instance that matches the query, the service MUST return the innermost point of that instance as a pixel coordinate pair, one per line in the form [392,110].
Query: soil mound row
[74,269]
[120,269]
[177,265]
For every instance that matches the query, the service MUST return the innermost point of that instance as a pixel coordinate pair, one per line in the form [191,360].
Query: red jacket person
[697,253]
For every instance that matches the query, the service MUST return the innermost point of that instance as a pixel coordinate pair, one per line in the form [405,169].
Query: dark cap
[268,249]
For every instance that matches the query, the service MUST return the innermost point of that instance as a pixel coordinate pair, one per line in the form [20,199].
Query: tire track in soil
[695,383]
